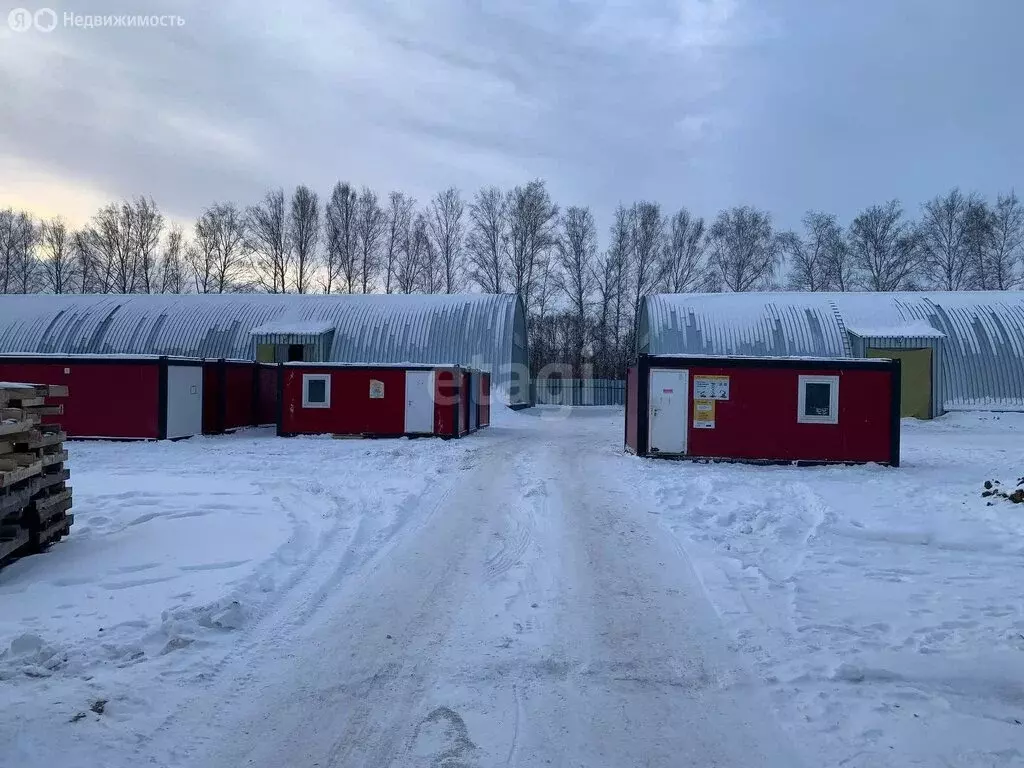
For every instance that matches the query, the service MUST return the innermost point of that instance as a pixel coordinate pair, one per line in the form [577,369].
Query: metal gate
[557,391]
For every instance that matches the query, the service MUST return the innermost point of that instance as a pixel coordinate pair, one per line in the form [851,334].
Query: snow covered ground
[526,596]
[884,609]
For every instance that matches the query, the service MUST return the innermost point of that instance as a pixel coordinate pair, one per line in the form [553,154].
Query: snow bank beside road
[150,562]
[882,606]
[176,547]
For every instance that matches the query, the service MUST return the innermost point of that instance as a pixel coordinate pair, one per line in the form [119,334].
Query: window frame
[833,402]
[307,378]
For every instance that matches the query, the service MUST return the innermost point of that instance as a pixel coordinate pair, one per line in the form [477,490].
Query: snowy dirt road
[531,614]
[527,596]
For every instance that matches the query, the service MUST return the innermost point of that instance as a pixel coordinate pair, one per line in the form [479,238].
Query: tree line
[581,298]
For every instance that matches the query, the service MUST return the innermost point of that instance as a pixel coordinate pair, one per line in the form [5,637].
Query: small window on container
[818,400]
[316,390]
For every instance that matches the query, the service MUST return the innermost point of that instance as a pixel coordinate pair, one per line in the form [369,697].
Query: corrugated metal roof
[471,329]
[983,348]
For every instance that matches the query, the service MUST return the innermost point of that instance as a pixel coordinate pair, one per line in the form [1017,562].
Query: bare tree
[399,222]
[124,237]
[86,263]
[839,265]
[172,266]
[148,225]
[409,263]
[371,224]
[532,220]
[431,267]
[884,247]
[447,231]
[979,238]
[17,240]
[1005,258]
[342,238]
[547,328]
[745,251]
[201,256]
[609,280]
[57,256]
[267,241]
[683,268]
[219,251]
[487,239]
[944,232]
[648,235]
[26,271]
[621,257]
[646,239]
[817,260]
[304,234]
[577,250]
[111,236]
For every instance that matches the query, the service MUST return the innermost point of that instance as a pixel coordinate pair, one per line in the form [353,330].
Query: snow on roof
[918,329]
[313,364]
[482,330]
[56,356]
[304,327]
[15,385]
[807,358]
[981,332]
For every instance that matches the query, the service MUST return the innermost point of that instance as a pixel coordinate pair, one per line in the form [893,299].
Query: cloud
[708,103]
[248,95]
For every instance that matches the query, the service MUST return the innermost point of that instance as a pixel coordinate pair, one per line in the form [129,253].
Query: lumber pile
[34,494]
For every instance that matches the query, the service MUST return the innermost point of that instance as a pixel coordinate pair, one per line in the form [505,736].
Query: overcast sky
[782,104]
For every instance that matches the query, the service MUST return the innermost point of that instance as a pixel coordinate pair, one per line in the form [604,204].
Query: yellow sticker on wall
[704,414]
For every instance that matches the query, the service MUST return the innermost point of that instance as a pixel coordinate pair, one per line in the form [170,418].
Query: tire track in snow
[335,560]
[387,727]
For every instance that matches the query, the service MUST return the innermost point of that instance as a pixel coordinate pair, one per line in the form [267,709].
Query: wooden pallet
[52,533]
[57,457]
[13,501]
[47,480]
[52,502]
[21,395]
[37,439]
[14,534]
[34,497]
[20,414]
[15,431]
[12,473]
[13,540]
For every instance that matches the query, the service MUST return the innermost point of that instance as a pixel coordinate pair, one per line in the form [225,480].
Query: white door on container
[669,420]
[419,402]
[184,400]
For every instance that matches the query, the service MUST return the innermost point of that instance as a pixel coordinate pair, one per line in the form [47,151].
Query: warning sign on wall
[710,387]
[376,389]
[704,414]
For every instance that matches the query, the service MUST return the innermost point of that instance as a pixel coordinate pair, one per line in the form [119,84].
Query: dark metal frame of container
[220,366]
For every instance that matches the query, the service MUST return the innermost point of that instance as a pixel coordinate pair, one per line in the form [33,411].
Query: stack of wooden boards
[34,496]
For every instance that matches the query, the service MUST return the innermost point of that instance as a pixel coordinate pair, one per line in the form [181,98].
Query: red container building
[382,400]
[120,397]
[764,409]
